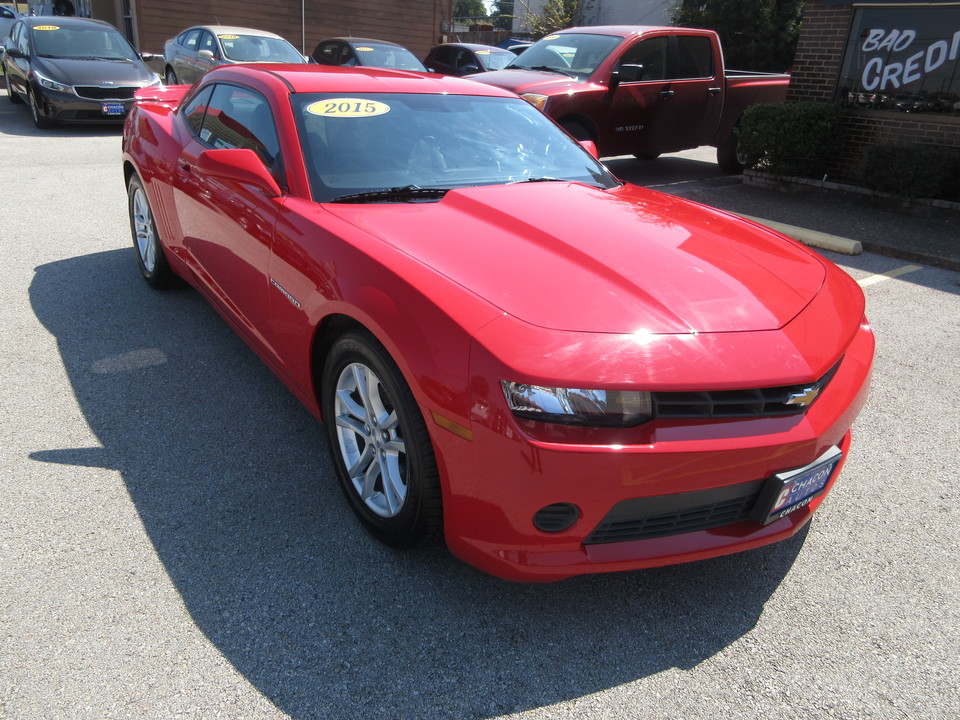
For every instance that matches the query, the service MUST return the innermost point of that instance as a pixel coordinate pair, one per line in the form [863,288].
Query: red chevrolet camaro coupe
[511,350]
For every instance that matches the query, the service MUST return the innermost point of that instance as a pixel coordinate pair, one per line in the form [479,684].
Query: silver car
[198,49]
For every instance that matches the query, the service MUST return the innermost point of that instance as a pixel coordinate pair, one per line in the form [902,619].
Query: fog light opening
[556,518]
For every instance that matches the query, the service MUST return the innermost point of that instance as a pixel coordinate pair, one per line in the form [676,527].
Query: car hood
[571,257]
[94,72]
[524,81]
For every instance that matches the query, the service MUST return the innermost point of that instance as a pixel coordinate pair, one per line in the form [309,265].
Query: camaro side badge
[803,398]
[290,297]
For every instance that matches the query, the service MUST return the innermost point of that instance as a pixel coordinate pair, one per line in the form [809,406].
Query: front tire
[40,121]
[577,130]
[380,445]
[146,241]
[170,77]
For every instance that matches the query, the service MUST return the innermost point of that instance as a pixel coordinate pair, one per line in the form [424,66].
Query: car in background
[351,51]
[73,70]
[201,48]
[466,58]
[555,372]
[8,15]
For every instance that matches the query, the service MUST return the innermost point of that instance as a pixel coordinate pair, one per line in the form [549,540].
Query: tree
[756,34]
[502,14]
[471,9]
[554,15]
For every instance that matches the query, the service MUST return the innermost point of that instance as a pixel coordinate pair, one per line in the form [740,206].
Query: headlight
[52,84]
[568,406]
[535,99]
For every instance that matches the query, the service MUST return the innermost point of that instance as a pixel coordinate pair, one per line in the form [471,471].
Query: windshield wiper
[548,68]
[545,178]
[409,193]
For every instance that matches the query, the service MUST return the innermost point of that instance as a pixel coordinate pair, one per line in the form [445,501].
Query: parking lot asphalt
[882,225]
[174,543]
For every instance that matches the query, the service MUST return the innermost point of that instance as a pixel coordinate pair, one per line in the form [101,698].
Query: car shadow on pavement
[15,120]
[230,477]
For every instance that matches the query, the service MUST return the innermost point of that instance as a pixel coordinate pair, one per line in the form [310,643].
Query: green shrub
[799,139]
[913,171]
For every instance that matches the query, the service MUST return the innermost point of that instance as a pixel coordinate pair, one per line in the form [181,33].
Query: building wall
[415,24]
[815,75]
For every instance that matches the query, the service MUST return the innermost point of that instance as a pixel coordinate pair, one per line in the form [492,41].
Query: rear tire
[381,449]
[170,77]
[730,157]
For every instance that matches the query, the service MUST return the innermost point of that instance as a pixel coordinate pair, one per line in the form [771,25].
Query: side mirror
[205,55]
[626,73]
[240,166]
[470,69]
[13,52]
[147,56]
[591,147]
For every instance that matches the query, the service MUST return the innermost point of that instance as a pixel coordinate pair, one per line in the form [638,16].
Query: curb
[812,237]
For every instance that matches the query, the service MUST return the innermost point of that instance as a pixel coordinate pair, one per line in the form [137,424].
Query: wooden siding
[415,24]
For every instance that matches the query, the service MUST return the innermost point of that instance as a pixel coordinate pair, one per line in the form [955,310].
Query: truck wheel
[577,130]
[730,157]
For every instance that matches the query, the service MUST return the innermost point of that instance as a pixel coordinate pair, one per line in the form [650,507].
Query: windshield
[86,43]
[574,54]
[256,48]
[495,59]
[371,142]
[387,56]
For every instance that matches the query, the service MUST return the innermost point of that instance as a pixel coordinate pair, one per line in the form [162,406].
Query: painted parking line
[888,275]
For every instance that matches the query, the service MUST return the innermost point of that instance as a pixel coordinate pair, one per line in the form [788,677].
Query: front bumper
[68,108]
[497,481]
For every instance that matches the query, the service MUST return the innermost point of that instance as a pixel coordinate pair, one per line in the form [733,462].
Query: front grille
[95,92]
[664,515]
[762,402]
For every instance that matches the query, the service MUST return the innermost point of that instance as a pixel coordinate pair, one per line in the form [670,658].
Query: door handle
[713,91]
[667,93]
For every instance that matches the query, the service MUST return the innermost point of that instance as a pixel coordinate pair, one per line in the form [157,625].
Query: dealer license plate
[113,108]
[788,491]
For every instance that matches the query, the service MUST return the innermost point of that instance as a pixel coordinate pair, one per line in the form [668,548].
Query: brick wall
[814,77]
[415,24]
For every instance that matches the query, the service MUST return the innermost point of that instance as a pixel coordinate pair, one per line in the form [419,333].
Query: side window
[446,55]
[190,39]
[6,14]
[694,57]
[196,108]
[207,43]
[23,44]
[652,54]
[241,118]
[329,53]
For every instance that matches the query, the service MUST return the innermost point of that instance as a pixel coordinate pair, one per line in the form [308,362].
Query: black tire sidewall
[161,276]
[416,523]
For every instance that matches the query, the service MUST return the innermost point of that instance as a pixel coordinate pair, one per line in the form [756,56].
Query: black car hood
[94,72]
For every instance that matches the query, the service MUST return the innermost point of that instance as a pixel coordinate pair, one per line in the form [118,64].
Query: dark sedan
[72,70]
[353,51]
[467,58]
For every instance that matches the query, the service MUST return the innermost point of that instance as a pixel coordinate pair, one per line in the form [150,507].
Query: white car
[200,48]
[8,15]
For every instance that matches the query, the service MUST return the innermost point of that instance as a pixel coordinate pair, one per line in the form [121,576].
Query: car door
[184,56]
[670,106]
[16,65]
[227,227]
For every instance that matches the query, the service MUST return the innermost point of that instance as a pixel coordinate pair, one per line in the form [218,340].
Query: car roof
[336,79]
[233,30]
[473,46]
[354,40]
[63,21]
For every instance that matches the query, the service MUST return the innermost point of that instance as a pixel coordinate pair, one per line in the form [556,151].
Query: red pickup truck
[640,90]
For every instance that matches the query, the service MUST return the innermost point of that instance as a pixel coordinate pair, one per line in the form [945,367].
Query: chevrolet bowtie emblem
[803,398]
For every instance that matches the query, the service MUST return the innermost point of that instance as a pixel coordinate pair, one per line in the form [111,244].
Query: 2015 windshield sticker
[229,37]
[46,27]
[348,108]
[551,37]
[364,49]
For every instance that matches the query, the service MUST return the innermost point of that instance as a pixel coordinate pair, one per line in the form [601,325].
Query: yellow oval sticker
[348,108]
[46,27]
[364,49]
[551,37]
[229,37]
[483,52]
